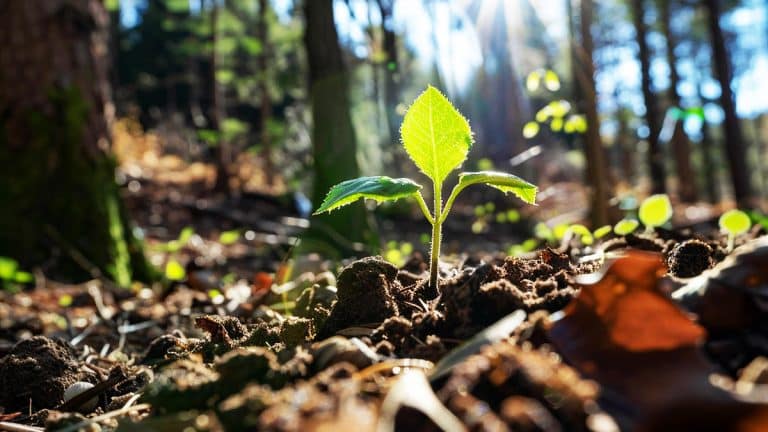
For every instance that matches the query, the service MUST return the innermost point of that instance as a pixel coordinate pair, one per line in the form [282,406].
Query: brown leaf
[642,348]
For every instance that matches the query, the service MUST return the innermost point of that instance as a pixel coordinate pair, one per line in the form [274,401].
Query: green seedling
[655,211]
[734,223]
[437,138]
[582,232]
[602,231]
[625,227]
[11,277]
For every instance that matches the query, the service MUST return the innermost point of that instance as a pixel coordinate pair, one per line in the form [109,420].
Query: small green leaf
[435,135]
[625,226]
[551,80]
[583,232]
[655,210]
[186,234]
[735,222]
[23,277]
[531,129]
[8,267]
[501,181]
[602,231]
[174,271]
[533,81]
[557,124]
[65,300]
[559,108]
[229,237]
[543,114]
[379,188]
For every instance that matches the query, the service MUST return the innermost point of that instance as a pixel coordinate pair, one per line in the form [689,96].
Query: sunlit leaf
[175,271]
[229,237]
[602,231]
[435,135]
[542,231]
[655,210]
[186,234]
[625,226]
[379,188]
[503,182]
[557,124]
[559,108]
[533,81]
[559,230]
[551,80]
[697,112]
[177,6]
[112,5]
[583,232]
[576,123]
[65,300]
[543,114]
[23,277]
[735,222]
[251,45]
[530,130]
[8,267]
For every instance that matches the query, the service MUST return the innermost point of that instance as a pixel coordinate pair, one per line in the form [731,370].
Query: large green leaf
[379,188]
[501,181]
[435,135]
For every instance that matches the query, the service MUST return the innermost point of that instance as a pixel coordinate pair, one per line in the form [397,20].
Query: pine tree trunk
[655,155]
[334,144]
[61,207]
[734,140]
[681,147]
[266,100]
[597,172]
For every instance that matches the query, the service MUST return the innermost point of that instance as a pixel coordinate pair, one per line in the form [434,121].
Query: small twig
[105,416]
[16,427]
[87,395]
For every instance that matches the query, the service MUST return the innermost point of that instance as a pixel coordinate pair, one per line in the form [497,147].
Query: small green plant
[655,211]
[11,277]
[602,231]
[437,138]
[625,227]
[734,223]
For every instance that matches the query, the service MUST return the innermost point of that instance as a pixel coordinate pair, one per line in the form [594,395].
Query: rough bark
[584,70]
[265,108]
[334,144]
[655,154]
[61,206]
[681,146]
[734,140]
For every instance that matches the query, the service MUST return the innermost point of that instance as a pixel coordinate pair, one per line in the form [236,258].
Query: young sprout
[602,231]
[734,223]
[655,211]
[583,232]
[625,226]
[437,138]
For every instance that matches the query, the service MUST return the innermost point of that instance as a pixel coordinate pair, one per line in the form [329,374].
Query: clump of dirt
[37,371]
[519,388]
[225,330]
[689,258]
[365,295]
[488,293]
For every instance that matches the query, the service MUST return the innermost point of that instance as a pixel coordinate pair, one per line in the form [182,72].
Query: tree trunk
[334,144]
[681,147]
[266,101]
[61,207]
[655,155]
[707,155]
[596,170]
[221,151]
[734,140]
[391,69]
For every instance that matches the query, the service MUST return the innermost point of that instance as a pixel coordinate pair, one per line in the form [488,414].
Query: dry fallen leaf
[623,332]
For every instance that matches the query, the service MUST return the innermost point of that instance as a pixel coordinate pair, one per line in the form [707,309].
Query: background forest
[169,259]
[212,107]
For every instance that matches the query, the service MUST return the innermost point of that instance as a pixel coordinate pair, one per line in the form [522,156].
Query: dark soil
[331,362]
[36,372]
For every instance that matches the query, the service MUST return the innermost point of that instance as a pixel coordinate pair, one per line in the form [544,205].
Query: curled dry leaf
[623,332]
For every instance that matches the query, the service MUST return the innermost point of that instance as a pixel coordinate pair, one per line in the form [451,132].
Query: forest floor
[655,331]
